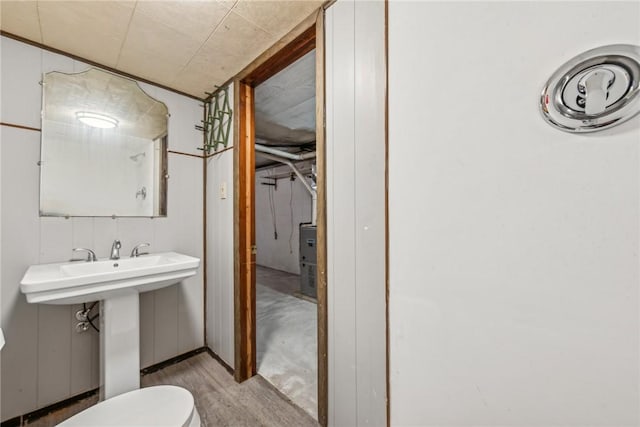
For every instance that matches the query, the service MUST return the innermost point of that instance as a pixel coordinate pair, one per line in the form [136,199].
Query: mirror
[104,147]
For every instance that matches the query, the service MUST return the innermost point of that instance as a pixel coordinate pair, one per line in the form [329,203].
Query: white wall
[292,206]
[220,253]
[1,317]
[513,245]
[355,126]
[45,360]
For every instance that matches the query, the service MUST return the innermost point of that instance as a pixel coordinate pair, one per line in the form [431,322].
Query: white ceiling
[286,104]
[189,46]
[285,108]
[138,114]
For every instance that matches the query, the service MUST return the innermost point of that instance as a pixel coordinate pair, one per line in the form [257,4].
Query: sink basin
[117,284]
[78,282]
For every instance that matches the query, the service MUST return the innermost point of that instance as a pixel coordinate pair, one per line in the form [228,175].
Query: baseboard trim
[177,359]
[39,413]
[29,417]
[220,361]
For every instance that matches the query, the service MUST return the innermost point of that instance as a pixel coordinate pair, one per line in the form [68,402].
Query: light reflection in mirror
[103,151]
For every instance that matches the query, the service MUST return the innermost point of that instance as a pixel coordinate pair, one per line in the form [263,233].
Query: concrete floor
[286,335]
[277,280]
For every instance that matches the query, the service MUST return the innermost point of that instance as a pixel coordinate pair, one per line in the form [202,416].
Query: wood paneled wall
[220,252]
[355,165]
[45,360]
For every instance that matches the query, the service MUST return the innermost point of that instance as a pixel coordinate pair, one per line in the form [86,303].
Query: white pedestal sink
[117,284]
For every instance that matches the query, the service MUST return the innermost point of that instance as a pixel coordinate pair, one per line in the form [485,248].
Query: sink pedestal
[117,284]
[119,344]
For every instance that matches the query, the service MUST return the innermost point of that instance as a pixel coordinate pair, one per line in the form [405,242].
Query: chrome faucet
[91,256]
[115,250]
[135,252]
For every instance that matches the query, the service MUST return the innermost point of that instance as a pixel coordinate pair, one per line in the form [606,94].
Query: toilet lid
[163,405]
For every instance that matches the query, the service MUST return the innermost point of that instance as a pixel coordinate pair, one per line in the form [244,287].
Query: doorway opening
[285,225]
[280,274]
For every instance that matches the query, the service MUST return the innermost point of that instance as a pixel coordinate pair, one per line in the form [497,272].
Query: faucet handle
[135,252]
[91,256]
[115,249]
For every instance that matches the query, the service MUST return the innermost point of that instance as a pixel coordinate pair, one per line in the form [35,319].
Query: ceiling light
[96,120]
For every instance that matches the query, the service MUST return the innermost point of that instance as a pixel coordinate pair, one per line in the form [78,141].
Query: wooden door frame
[305,37]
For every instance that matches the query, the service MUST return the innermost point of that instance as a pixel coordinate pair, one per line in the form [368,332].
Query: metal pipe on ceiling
[303,180]
[285,154]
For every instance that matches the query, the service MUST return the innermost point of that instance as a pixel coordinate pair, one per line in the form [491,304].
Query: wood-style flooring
[219,399]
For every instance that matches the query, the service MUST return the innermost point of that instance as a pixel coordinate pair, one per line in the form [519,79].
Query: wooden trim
[328,3]
[321,238]
[17,421]
[94,64]
[179,358]
[29,417]
[277,48]
[245,301]
[304,38]
[182,153]
[293,51]
[164,174]
[308,22]
[237,301]
[220,361]
[204,231]
[215,153]
[12,125]
[386,207]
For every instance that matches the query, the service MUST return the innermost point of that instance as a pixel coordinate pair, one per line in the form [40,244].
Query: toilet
[162,405]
